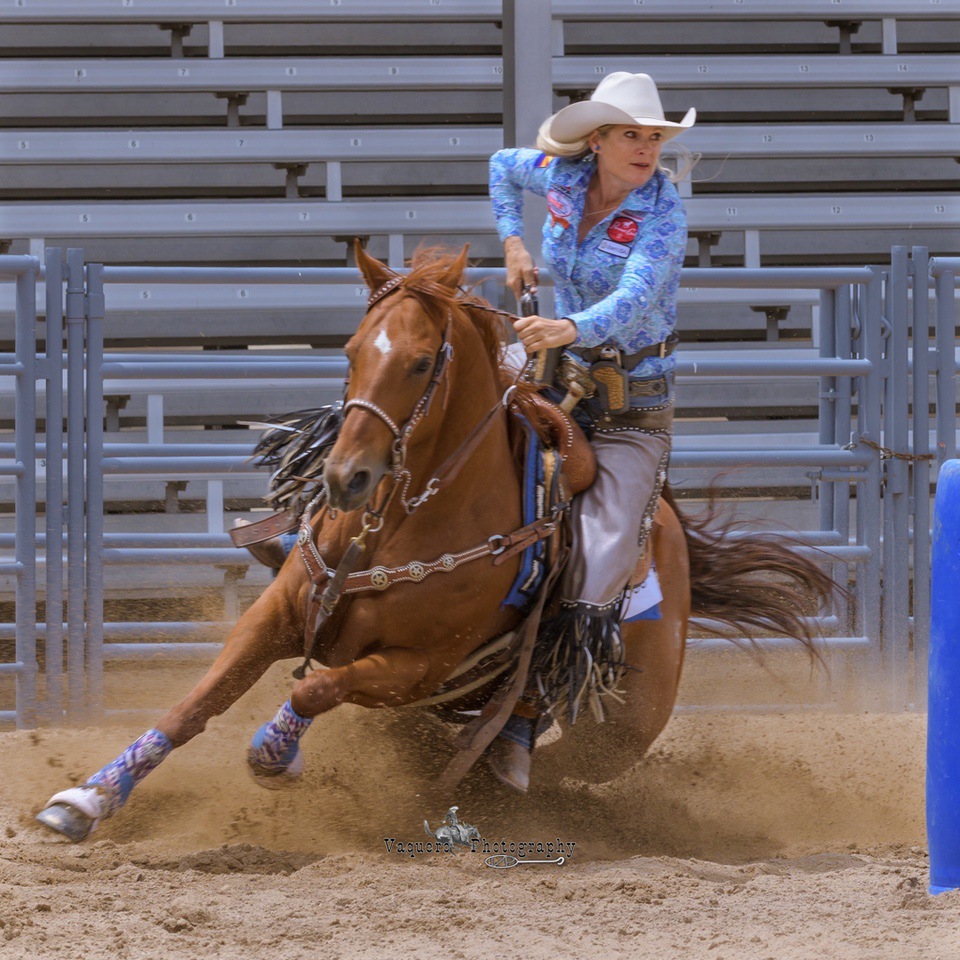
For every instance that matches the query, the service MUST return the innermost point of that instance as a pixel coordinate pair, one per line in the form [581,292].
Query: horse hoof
[510,763]
[277,779]
[68,821]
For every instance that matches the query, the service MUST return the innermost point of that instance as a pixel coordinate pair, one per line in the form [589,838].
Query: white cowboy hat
[621,98]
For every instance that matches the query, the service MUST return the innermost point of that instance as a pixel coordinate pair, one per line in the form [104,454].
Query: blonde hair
[556,148]
[686,160]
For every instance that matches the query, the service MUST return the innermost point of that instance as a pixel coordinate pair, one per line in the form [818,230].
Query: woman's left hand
[542,333]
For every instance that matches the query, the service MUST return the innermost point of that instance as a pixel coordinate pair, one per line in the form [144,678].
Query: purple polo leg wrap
[275,744]
[117,779]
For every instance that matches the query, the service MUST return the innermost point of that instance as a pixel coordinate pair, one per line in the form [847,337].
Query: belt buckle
[663,349]
[611,353]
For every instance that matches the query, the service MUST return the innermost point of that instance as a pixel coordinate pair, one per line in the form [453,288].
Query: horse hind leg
[655,651]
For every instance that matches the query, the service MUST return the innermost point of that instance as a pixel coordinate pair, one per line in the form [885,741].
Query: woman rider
[614,239]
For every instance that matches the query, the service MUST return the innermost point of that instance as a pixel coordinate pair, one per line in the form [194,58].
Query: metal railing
[24,368]
[861,410]
[885,356]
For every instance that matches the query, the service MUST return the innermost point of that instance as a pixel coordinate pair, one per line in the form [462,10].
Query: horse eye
[423,365]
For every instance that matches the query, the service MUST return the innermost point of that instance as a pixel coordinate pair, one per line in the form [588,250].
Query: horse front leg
[267,632]
[383,679]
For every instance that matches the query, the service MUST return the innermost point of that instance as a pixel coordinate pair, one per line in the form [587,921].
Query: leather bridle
[402,434]
[328,585]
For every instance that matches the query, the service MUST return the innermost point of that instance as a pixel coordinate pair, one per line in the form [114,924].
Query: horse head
[398,361]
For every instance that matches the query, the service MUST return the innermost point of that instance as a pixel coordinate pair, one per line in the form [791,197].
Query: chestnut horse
[425,392]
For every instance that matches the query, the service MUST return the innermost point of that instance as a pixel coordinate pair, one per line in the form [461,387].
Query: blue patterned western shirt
[619,285]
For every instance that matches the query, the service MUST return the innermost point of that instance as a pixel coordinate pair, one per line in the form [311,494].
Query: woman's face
[628,153]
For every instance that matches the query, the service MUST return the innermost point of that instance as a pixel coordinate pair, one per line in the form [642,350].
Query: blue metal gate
[871,463]
[19,461]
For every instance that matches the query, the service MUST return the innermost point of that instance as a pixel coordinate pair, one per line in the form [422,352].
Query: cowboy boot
[510,754]
[510,763]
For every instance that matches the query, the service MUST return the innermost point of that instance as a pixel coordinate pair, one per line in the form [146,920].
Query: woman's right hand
[521,270]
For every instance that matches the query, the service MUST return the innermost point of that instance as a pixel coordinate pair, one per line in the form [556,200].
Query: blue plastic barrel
[943,725]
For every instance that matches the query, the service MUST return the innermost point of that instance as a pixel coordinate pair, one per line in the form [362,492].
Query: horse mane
[428,281]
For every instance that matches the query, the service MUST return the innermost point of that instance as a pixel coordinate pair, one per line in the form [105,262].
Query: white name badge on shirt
[617,249]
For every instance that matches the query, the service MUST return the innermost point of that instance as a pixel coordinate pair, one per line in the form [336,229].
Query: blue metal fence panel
[22,271]
[76,459]
[53,450]
[850,468]
[868,410]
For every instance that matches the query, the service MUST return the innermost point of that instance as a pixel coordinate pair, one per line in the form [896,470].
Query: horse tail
[754,582]
[426,826]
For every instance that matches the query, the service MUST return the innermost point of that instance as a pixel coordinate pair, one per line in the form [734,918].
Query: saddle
[313,435]
[558,432]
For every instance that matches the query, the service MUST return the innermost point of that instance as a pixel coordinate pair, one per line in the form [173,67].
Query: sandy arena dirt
[738,838]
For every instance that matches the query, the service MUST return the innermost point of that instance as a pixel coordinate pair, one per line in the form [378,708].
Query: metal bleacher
[884,173]
[237,133]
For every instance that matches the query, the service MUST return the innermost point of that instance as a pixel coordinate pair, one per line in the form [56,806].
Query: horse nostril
[359,481]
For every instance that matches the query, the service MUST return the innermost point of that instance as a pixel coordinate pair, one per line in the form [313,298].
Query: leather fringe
[295,447]
[579,659]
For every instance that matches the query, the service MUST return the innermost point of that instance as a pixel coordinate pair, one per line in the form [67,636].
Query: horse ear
[451,280]
[374,272]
